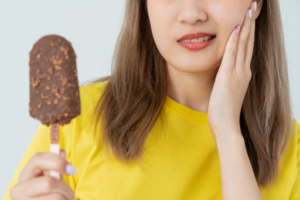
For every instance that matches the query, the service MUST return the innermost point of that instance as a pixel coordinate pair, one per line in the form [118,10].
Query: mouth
[197,40]
[197,43]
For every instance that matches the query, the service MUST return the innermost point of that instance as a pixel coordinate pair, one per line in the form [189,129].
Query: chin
[195,68]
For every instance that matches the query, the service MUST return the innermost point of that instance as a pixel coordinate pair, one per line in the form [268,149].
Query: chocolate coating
[54,90]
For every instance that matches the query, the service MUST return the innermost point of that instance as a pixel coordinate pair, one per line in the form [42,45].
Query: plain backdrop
[93,27]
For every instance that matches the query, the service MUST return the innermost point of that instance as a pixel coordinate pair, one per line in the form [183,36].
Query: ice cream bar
[54,91]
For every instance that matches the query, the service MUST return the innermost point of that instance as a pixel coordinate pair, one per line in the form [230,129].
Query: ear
[259,6]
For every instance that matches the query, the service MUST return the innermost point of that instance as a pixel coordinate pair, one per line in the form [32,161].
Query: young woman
[179,118]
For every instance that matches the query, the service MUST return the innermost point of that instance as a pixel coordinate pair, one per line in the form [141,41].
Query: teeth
[198,40]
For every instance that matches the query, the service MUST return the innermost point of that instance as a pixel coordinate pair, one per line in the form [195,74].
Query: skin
[214,79]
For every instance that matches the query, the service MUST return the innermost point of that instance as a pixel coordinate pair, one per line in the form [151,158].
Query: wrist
[232,139]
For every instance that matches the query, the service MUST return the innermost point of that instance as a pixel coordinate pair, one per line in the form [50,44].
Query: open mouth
[201,39]
[212,37]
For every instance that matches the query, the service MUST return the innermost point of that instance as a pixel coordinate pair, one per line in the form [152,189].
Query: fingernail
[250,13]
[70,169]
[237,29]
[255,6]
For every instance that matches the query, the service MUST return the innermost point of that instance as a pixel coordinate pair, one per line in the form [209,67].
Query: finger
[229,56]
[44,185]
[62,154]
[243,42]
[45,161]
[250,46]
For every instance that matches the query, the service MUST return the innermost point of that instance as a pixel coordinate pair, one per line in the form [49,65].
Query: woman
[179,118]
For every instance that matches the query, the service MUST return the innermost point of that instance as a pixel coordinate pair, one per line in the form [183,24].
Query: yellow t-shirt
[180,160]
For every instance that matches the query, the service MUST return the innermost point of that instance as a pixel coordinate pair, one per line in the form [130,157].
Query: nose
[191,11]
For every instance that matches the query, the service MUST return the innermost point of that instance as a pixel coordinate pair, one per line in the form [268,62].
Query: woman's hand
[35,184]
[232,81]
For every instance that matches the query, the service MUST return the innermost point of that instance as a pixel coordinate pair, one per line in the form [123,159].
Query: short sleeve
[295,193]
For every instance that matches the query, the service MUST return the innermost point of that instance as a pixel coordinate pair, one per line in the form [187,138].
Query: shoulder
[89,96]
[297,136]
[91,91]
[295,129]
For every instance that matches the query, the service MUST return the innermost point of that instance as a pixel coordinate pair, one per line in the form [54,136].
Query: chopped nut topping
[43,96]
[38,56]
[71,85]
[57,95]
[54,88]
[62,48]
[35,82]
[62,90]
[56,101]
[52,44]
[48,87]
[50,70]
[37,92]
[67,57]
[54,62]
[64,81]
[66,98]
[49,102]
[57,67]
[66,115]
[39,105]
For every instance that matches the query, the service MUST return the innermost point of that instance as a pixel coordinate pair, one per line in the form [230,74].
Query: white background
[93,27]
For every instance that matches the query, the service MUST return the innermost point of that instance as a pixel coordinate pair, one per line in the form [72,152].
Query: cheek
[162,24]
[227,17]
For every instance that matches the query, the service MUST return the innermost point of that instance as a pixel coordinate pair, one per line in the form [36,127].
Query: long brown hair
[135,92]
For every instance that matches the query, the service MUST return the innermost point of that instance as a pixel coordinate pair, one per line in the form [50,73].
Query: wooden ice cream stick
[54,146]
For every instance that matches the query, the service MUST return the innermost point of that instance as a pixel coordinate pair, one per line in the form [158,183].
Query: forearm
[237,176]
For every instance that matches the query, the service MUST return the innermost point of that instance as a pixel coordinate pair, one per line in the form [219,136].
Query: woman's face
[172,19]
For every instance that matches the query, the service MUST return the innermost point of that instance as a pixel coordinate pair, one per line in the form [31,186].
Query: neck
[191,89]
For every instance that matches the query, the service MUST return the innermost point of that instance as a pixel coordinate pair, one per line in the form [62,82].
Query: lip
[193,46]
[194,36]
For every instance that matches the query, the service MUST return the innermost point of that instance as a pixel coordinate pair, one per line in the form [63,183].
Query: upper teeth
[198,40]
